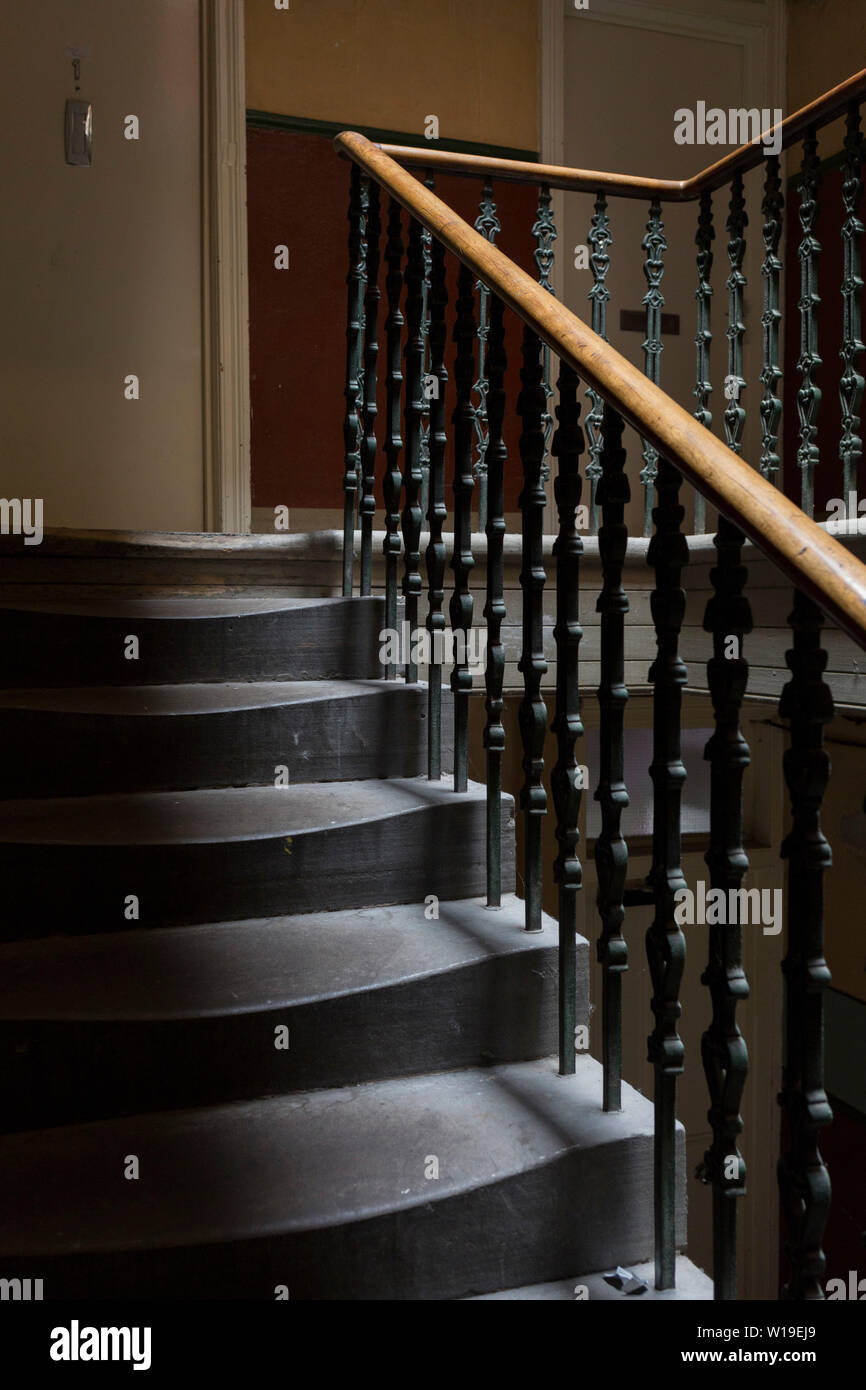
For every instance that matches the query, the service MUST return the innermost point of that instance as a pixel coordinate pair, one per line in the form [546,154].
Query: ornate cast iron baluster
[367,506]
[851,385]
[487,223]
[533,711]
[356,279]
[735,415]
[600,240]
[412,514]
[393,480]
[544,231]
[665,942]
[611,851]
[803,1179]
[494,609]
[462,561]
[654,244]
[565,777]
[723,1050]
[437,511]
[771,373]
[809,395]
[704,238]
[426,245]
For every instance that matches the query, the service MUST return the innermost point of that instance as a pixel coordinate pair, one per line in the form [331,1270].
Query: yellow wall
[826,44]
[102,266]
[472,63]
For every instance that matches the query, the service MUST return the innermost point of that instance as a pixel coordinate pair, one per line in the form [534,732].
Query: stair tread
[221,813]
[170,607]
[230,967]
[300,1162]
[691,1283]
[202,697]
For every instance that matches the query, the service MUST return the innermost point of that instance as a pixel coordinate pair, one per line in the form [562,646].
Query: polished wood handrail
[813,560]
[820,112]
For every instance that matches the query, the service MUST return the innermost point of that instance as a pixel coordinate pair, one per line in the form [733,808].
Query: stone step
[87,741]
[72,864]
[183,640]
[93,1026]
[691,1284]
[426,1187]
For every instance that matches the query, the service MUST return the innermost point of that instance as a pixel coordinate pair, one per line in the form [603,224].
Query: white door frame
[225,300]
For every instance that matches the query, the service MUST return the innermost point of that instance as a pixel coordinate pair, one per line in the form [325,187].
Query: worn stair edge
[691,1284]
[330,1193]
[105,739]
[95,1026]
[71,864]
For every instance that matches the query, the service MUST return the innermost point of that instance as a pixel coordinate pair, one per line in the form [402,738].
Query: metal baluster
[704,238]
[412,514]
[803,1179]
[600,240]
[771,372]
[487,223]
[462,560]
[393,480]
[654,244]
[367,506]
[494,609]
[533,711]
[356,279]
[723,1050]
[851,385]
[735,415]
[544,231]
[436,510]
[565,778]
[426,247]
[611,851]
[665,942]
[809,395]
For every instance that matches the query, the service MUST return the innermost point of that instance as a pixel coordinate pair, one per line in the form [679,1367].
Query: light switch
[79,132]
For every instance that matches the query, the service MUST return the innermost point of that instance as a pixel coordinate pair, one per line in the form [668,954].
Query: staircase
[261,1036]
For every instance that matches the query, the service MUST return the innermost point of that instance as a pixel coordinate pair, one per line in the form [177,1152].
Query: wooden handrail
[820,112]
[813,560]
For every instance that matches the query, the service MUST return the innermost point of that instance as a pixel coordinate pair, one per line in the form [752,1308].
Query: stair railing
[827,579]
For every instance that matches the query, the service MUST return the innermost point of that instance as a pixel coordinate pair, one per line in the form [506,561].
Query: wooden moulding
[820,112]
[813,560]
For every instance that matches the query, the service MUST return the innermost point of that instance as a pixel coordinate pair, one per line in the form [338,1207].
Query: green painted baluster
[393,480]
[851,385]
[735,415]
[803,1179]
[356,278]
[494,609]
[600,240]
[532,665]
[565,778]
[367,507]
[665,942]
[704,238]
[426,245]
[611,850]
[809,395]
[412,515]
[771,372]
[436,509]
[654,244]
[487,223]
[462,560]
[544,231]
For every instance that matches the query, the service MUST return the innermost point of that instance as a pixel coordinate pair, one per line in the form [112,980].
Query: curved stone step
[93,1026]
[185,640]
[81,742]
[332,1194]
[71,864]
[691,1284]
